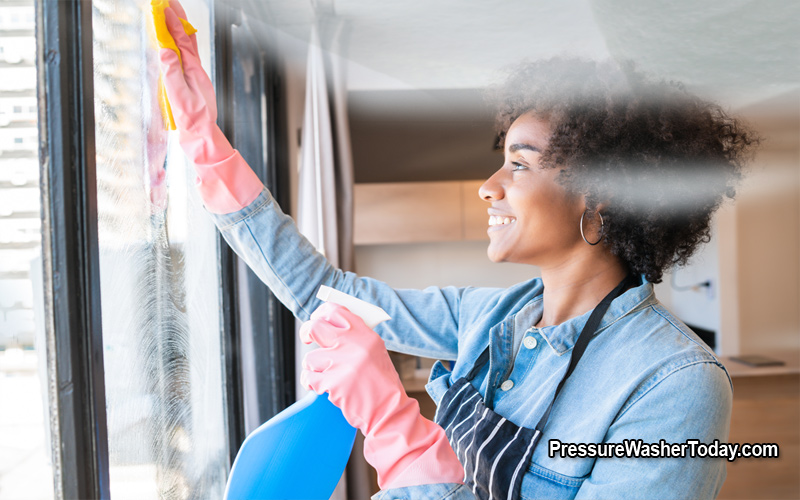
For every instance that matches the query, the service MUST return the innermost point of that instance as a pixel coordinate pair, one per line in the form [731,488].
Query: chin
[494,256]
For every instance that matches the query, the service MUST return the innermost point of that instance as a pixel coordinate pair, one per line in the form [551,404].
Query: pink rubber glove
[352,365]
[225,181]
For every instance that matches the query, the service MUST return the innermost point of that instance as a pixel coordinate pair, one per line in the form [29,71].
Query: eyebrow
[516,147]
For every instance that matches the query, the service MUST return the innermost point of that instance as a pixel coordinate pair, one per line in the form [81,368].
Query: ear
[591,204]
[601,206]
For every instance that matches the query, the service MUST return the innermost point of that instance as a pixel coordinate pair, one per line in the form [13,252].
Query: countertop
[790,358]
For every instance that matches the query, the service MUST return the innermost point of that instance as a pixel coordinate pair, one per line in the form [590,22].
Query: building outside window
[25,456]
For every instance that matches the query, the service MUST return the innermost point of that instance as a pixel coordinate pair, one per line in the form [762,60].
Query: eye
[516,167]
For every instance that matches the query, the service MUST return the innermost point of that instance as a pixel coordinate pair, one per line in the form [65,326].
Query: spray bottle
[301,452]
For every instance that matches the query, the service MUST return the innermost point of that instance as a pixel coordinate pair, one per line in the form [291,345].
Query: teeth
[496,220]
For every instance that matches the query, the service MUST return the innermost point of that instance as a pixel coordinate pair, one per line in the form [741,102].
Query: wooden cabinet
[766,409]
[406,212]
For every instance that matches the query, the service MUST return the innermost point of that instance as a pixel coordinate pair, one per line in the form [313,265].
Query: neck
[576,287]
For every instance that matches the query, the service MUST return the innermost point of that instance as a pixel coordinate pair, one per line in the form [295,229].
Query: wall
[699,306]
[768,231]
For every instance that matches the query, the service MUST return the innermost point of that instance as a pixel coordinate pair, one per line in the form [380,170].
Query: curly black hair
[655,159]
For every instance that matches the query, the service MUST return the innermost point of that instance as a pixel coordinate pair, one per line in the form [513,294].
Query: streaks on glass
[160,300]
[157,135]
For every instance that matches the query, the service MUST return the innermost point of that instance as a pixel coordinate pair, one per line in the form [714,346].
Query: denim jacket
[644,375]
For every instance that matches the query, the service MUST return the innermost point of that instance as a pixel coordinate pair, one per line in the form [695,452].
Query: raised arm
[424,323]
[225,181]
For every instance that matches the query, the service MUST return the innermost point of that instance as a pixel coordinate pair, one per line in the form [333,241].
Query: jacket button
[507,385]
[530,342]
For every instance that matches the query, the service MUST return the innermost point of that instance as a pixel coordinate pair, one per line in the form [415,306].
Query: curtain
[325,197]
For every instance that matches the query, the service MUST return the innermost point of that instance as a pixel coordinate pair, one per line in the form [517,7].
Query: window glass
[25,458]
[159,276]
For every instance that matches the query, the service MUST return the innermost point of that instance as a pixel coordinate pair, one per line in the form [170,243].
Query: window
[160,291]
[143,304]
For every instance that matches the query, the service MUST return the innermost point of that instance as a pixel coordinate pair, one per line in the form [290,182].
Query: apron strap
[482,359]
[583,340]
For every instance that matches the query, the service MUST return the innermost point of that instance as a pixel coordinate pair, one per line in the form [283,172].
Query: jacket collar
[561,338]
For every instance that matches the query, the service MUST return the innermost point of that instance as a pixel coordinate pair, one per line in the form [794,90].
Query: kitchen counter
[791,365]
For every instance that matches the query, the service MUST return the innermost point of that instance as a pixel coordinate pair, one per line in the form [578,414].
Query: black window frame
[269,323]
[65,90]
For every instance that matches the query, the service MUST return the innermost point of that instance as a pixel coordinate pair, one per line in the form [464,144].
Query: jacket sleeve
[424,322]
[693,402]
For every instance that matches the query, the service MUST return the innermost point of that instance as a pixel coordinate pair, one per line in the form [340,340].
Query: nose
[492,189]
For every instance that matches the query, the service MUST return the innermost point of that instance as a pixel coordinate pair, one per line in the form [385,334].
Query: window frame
[275,330]
[221,19]
[65,88]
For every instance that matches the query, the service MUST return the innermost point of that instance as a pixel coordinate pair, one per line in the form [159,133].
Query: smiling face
[533,219]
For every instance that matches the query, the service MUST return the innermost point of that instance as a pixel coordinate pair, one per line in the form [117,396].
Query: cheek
[551,211]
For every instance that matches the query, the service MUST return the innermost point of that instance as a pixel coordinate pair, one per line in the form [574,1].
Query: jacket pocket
[540,482]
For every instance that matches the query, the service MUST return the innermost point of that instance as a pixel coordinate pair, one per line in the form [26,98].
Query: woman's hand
[191,94]
[353,366]
[225,181]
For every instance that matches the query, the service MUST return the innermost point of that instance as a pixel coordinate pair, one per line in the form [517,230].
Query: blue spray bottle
[301,452]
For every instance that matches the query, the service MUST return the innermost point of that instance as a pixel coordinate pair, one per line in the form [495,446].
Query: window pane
[159,276]
[25,458]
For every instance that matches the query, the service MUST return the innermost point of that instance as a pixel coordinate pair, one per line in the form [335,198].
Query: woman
[607,181]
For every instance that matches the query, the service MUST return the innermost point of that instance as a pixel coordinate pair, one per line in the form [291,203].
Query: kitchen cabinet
[415,212]
[766,409]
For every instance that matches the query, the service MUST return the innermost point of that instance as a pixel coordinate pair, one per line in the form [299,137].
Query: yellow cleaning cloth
[164,40]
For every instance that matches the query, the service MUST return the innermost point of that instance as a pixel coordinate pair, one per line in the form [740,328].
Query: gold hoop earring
[602,225]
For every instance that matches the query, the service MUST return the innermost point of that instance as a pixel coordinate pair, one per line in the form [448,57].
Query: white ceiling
[738,51]
[462,44]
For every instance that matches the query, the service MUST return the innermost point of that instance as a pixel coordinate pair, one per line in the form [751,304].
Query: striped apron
[495,452]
